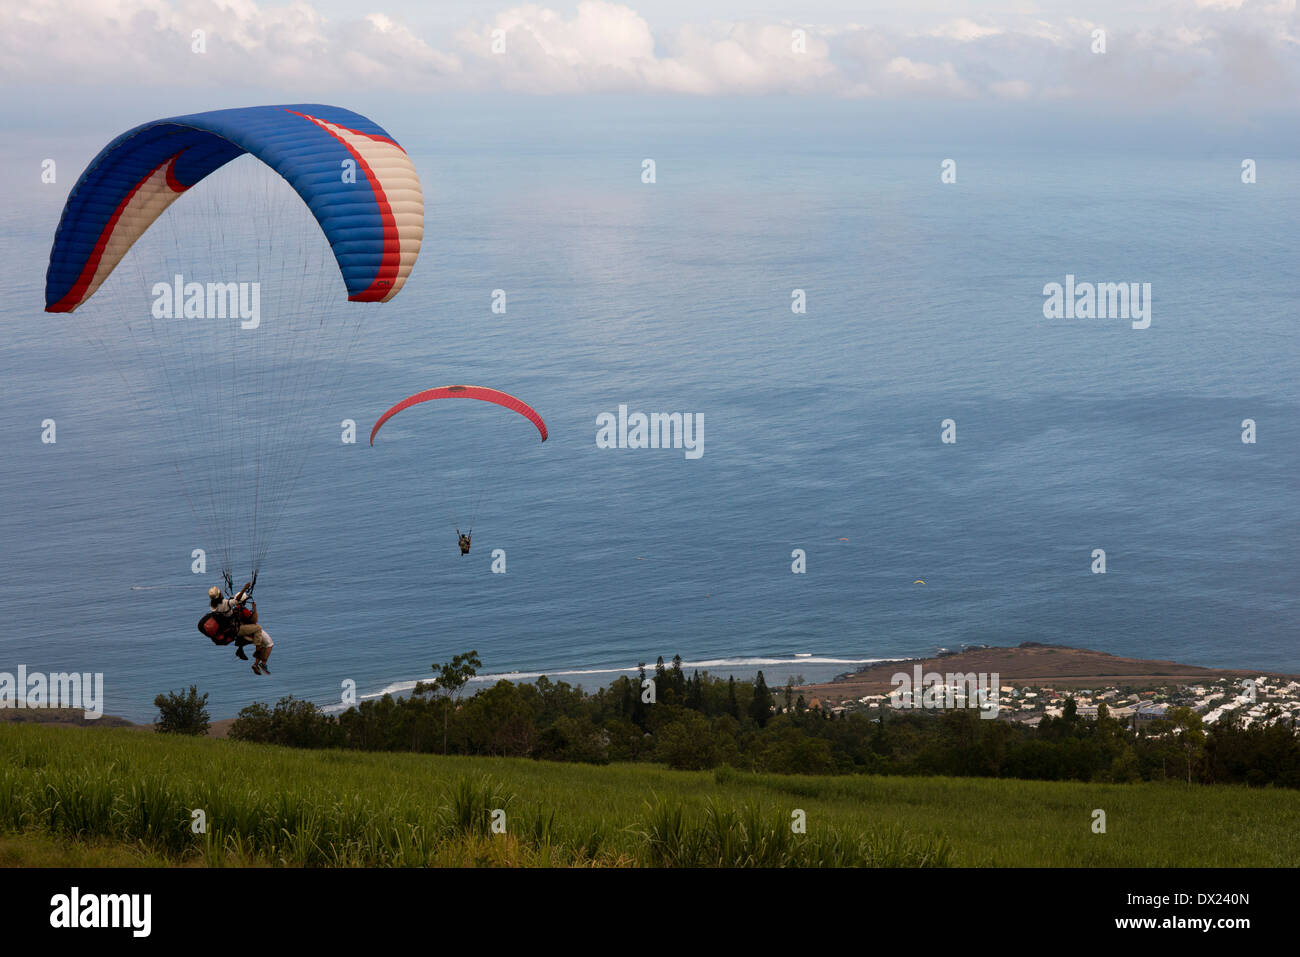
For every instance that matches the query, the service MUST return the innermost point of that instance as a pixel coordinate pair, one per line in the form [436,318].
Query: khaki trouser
[256,635]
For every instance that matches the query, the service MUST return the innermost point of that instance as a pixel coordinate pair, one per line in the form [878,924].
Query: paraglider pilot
[243,622]
[463,542]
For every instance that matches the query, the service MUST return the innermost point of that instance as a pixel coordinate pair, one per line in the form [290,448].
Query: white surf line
[746,663]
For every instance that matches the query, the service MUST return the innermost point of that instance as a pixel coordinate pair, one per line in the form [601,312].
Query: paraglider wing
[465,392]
[291,198]
[357,181]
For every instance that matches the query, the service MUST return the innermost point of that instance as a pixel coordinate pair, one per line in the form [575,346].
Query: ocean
[821,429]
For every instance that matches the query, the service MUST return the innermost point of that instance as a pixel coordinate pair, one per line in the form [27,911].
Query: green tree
[449,678]
[785,749]
[687,744]
[760,705]
[296,723]
[1191,735]
[677,679]
[182,713]
[573,739]
[498,721]
[253,724]
[638,704]
[694,695]
[1070,715]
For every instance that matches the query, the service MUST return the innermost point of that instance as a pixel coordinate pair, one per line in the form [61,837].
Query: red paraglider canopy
[465,392]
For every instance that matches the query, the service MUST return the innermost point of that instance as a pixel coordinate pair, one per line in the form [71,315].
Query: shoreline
[1036,664]
[1029,663]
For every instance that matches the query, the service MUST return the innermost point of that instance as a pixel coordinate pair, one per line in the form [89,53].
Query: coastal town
[1262,699]
[1035,680]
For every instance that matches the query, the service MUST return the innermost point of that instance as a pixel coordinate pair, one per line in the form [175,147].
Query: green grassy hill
[70,796]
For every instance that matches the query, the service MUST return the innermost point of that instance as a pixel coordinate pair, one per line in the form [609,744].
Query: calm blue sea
[821,430]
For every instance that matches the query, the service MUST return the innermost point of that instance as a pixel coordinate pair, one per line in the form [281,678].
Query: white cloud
[965,31]
[928,77]
[1202,48]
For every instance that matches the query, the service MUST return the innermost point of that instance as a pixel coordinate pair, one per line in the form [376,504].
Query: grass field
[112,797]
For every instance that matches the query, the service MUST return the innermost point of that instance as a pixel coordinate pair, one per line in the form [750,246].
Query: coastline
[1032,663]
[1027,664]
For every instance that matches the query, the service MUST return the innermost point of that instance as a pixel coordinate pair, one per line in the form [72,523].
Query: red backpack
[211,625]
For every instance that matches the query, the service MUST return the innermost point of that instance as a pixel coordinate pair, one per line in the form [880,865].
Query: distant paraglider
[482,394]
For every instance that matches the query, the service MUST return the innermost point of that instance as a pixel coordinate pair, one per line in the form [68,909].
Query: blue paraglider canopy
[357,181]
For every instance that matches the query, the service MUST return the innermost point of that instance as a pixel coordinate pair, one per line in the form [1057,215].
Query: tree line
[700,721]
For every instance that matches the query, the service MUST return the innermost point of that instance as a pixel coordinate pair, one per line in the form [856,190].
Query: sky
[1224,57]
